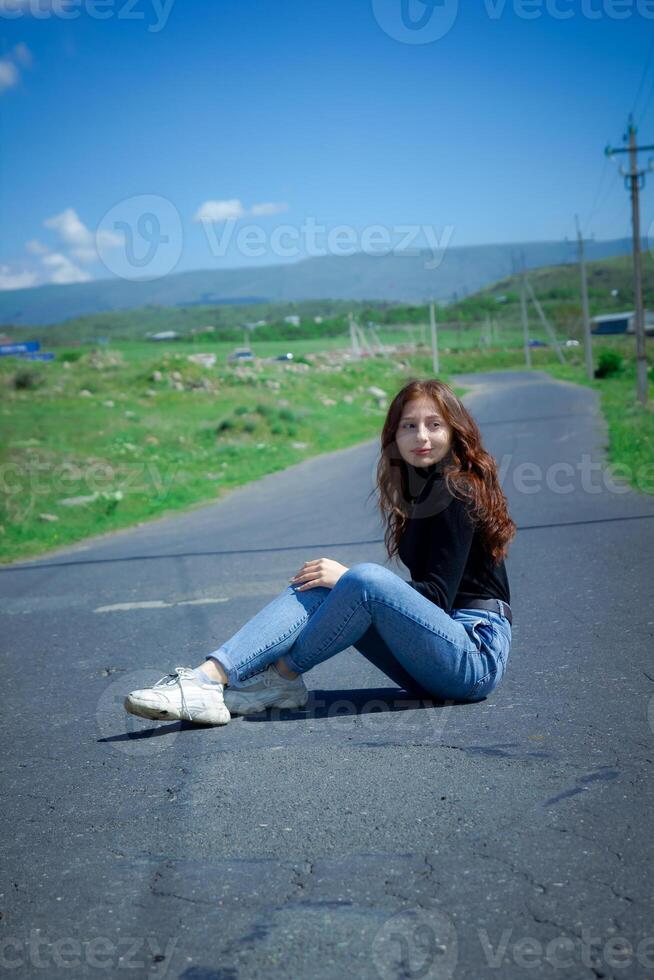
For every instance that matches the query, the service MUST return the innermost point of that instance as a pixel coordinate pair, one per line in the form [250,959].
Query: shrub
[26,379]
[266,410]
[610,363]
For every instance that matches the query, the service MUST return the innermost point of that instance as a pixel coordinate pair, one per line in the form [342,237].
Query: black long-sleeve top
[442,548]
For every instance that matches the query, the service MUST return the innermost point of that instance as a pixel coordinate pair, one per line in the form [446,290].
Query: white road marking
[157,604]
[125,606]
[200,602]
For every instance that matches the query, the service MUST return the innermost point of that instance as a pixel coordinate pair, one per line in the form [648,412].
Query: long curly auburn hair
[470,473]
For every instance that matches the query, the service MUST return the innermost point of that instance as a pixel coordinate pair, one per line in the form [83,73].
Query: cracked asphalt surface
[370,835]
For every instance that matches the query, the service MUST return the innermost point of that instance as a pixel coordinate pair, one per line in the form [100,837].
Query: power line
[635,181]
[620,215]
[599,207]
[605,169]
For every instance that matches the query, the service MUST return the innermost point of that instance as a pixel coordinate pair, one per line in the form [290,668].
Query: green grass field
[155,433]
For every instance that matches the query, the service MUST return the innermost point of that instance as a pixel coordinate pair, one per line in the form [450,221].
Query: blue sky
[205,118]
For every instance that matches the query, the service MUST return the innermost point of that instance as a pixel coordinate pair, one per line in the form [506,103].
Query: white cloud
[9,74]
[76,244]
[9,71]
[220,210]
[111,238]
[268,207]
[63,270]
[16,280]
[74,234]
[23,54]
[69,228]
[36,247]
[232,209]
[85,255]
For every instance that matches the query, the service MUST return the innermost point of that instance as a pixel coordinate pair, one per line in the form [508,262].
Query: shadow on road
[321,705]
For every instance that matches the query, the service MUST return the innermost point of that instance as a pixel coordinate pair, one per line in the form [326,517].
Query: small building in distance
[620,323]
[165,335]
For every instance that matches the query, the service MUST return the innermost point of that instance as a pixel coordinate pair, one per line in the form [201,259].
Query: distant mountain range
[398,277]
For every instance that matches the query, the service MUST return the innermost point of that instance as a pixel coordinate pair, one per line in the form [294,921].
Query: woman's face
[423,436]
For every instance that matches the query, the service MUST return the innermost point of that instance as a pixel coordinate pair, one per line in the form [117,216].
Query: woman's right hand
[319,572]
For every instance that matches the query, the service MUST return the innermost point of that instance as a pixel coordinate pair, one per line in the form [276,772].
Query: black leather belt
[494,605]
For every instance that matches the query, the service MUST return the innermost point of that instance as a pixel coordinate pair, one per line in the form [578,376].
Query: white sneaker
[180,695]
[266,689]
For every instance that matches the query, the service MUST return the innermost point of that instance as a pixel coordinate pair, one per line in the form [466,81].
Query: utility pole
[434,339]
[372,329]
[360,342]
[546,323]
[588,340]
[356,349]
[361,333]
[635,182]
[488,331]
[523,312]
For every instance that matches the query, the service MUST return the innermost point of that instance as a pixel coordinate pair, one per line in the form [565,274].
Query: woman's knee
[367,573]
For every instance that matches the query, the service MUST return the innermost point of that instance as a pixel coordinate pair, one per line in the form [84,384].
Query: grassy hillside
[407,274]
[557,288]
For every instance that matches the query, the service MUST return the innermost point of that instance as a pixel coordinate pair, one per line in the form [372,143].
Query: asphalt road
[368,836]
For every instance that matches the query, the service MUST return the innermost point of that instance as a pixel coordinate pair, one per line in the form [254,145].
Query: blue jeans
[460,655]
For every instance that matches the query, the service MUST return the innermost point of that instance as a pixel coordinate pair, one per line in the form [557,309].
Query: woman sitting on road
[444,635]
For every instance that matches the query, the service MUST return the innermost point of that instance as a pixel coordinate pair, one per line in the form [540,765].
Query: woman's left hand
[322,571]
